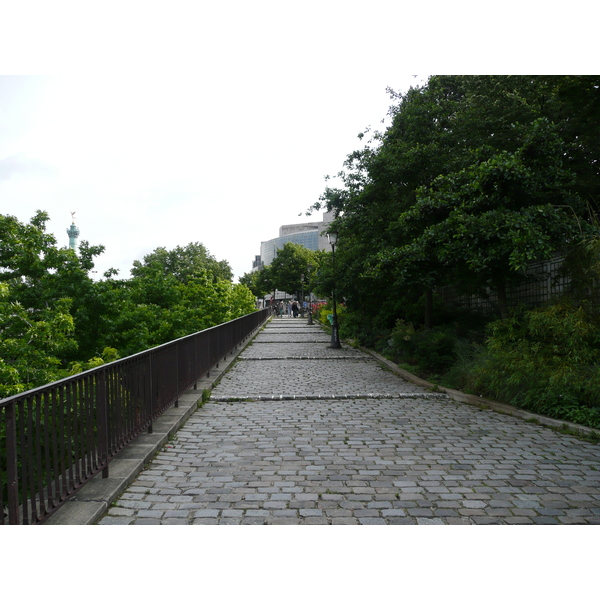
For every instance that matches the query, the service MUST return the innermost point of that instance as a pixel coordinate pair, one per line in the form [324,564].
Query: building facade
[309,235]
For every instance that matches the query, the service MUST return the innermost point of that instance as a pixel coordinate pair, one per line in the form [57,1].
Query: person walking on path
[295,309]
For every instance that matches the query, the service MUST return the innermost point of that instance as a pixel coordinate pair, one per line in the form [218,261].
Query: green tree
[183,263]
[452,129]
[55,320]
[32,344]
[294,268]
[256,283]
[241,301]
[40,274]
[171,294]
[479,227]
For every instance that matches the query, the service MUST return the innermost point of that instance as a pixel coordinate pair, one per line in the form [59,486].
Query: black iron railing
[53,439]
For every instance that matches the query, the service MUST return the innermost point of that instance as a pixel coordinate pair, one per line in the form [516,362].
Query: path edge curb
[485,403]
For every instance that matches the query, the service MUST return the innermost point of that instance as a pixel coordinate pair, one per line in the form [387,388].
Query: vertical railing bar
[62,405]
[89,445]
[93,412]
[117,383]
[151,395]
[55,432]
[82,430]
[102,416]
[139,396]
[110,422]
[22,423]
[177,373]
[40,504]
[5,470]
[196,373]
[135,416]
[125,404]
[128,400]
[12,469]
[71,435]
[92,445]
[2,512]
[77,433]
[31,459]
[47,430]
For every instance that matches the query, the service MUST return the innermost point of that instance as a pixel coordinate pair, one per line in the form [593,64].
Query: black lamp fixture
[335,334]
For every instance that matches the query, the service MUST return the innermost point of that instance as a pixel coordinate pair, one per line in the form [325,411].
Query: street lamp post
[335,334]
[310,319]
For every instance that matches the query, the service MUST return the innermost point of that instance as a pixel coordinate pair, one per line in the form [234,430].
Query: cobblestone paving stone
[370,461]
[311,378]
[306,350]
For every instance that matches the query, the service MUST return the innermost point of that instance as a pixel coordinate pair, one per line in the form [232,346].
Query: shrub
[326,310]
[469,355]
[432,350]
[544,360]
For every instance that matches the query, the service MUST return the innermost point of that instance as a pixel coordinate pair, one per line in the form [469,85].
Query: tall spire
[73,233]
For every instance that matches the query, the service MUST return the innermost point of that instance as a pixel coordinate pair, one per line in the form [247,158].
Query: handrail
[59,435]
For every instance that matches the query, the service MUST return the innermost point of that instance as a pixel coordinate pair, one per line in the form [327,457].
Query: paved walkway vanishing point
[331,437]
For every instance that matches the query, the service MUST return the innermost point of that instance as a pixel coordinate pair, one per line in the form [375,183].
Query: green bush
[357,327]
[468,356]
[326,310]
[431,350]
[544,360]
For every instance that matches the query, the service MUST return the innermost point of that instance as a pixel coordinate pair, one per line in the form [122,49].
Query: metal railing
[55,438]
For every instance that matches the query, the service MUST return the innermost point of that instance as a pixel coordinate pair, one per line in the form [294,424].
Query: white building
[309,235]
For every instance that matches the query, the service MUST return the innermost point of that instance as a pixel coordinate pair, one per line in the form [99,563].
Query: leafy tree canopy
[475,176]
[56,320]
[183,263]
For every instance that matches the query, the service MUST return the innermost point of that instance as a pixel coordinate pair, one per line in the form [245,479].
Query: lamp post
[310,319]
[335,334]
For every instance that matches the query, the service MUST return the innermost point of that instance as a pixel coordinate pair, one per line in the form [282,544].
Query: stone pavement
[299,433]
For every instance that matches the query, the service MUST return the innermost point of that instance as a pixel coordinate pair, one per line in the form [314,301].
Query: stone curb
[90,503]
[480,402]
[424,396]
[354,358]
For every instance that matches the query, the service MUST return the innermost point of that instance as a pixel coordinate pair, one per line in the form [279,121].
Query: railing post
[103,422]
[11,466]
[196,373]
[151,395]
[177,344]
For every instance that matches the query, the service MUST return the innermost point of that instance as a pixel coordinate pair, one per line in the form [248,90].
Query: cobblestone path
[335,439]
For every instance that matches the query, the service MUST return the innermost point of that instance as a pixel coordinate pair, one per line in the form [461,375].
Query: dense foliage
[56,320]
[475,177]
[295,268]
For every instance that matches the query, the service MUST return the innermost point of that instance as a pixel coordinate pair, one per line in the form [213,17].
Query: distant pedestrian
[281,308]
[295,309]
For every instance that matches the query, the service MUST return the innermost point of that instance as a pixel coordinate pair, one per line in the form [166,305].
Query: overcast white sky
[161,123]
